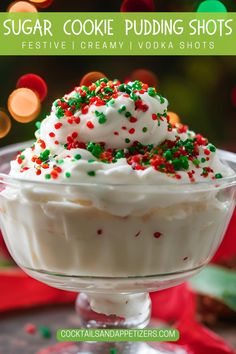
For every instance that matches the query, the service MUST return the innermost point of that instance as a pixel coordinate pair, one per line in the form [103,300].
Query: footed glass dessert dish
[113,243]
[114,200]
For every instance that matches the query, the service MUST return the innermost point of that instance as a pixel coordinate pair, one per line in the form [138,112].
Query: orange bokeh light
[24,105]
[21,6]
[174,118]
[42,3]
[5,124]
[91,77]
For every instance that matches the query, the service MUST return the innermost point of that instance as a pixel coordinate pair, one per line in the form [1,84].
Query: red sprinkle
[54,174]
[116,133]
[52,135]
[140,105]
[85,109]
[157,234]
[58,125]
[132,131]
[154,116]
[74,135]
[90,125]
[133,120]
[177,176]
[68,113]
[207,152]
[30,328]
[42,144]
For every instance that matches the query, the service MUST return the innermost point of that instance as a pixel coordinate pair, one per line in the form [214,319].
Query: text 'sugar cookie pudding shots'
[118,191]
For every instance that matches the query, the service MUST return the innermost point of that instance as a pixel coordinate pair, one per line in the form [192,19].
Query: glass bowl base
[114,348]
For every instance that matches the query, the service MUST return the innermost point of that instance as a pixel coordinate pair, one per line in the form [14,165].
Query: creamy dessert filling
[114,132]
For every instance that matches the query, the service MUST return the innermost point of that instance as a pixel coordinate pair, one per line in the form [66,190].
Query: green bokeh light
[211,6]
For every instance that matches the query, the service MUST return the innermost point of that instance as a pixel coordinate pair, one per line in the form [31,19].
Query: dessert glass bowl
[113,243]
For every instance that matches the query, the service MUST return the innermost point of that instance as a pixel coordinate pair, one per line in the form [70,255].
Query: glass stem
[114,310]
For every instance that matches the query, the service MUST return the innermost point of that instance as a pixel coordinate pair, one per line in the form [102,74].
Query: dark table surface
[14,339]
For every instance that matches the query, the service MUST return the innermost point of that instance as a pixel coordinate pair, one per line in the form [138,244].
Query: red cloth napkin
[176,305]
[228,247]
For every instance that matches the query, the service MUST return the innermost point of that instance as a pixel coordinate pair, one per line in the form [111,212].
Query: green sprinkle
[60,162]
[137,85]
[102,119]
[108,90]
[120,154]
[45,332]
[184,162]
[177,164]
[44,155]
[111,102]
[151,91]
[91,161]
[212,148]
[85,88]
[162,100]
[48,176]
[101,116]
[38,125]
[150,147]
[122,88]
[122,109]
[68,174]
[22,157]
[196,162]
[127,141]
[59,113]
[203,159]
[218,175]
[104,79]
[145,129]
[95,149]
[128,114]
[134,97]
[168,155]
[77,157]
[91,173]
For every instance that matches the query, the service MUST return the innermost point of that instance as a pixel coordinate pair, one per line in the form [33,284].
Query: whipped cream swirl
[116,133]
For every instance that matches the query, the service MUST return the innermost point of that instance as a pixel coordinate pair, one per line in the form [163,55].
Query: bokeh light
[146,76]
[211,6]
[173,117]
[24,105]
[5,124]
[137,6]
[42,3]
[21,6]
[91,77]
[35,83]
